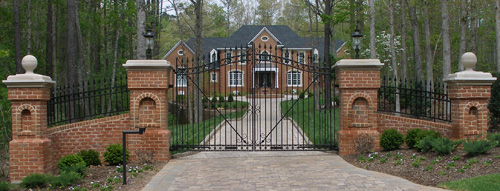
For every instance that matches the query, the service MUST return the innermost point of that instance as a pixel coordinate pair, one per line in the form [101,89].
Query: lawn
[185,136]
[480,183]
[320,126]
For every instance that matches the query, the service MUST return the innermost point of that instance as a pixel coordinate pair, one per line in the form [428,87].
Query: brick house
[253,59]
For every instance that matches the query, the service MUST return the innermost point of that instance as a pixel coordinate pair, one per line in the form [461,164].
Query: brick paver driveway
[286,170]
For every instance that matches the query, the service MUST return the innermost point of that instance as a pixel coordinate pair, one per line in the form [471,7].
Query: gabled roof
[284,35]
[176,45]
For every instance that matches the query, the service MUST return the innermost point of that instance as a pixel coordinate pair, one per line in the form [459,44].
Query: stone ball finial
[469,61]
[29,63]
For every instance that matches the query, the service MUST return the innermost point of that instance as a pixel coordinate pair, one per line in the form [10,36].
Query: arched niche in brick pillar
[148,106]
[359,113]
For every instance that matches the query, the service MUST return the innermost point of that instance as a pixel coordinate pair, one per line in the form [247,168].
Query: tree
[429,61]
[71,43]
[198,106]
[17,37]
[393,53]
[416,43]
[497,33]
[445,25]
[404,58]
[266,11]
[141,28]
[463,29]
[373,49]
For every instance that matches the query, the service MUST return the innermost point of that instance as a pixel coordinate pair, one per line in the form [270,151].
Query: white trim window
[180,52]
[286,57]
[213,77]
[294,78]
[181,78]
[265,56]
[316,56]
[213,56]
[302,57]
[243,57]
[228,57]
[235,78]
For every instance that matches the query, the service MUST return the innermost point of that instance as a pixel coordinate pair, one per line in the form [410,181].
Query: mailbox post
[140,132]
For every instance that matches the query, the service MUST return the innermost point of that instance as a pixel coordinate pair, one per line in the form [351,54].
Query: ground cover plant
[484,183]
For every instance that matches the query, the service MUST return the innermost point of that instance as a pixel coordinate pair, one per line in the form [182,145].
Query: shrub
[65,179]
[4,186]
[411,137]
[72,163]
[391,139]
[113,154]
[494,105]
[214,99]
[364,143]
[180,97]
[444,146]
[90,157]
[477,147]
[301,95]
[230,98]
[494,137]
[204,99]
[310,94]
[34,181]
[427,133]
[221,98]
[425,144]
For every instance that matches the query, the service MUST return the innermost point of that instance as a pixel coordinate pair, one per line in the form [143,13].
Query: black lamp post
[356,41]
[149,43]
[124,167]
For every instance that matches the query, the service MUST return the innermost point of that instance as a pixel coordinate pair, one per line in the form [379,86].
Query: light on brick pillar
[29,93]
[148,82]
[469,92]
[359,81]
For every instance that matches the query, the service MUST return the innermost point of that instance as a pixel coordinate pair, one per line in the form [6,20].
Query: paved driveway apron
[288,170]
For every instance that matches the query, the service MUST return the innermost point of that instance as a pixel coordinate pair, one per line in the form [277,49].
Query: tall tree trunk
[463,29]
[393,54]
[373,45]
[50,41]
[17,37]
[446,38]
[497,33]
[417,52]
[81,48]
[71,74]
[198,105]
[28,36]
[328,12]
[404,59]
[429,61]
[115,54]
[473,24]
[141,25]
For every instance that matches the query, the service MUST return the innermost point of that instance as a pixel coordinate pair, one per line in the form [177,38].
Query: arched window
[294,78]
[213,55]
[181,79]
[265,56]
[235,78]
[316,56]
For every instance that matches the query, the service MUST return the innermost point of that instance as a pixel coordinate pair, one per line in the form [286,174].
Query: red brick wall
[403,124]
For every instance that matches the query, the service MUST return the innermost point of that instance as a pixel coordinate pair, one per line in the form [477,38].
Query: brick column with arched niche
[469,92]
[359,81]
[148,83]
[29,150]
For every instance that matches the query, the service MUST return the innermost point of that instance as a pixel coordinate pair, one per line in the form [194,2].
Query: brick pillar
[29,150]
[148,83]
[359,81]
[469,92]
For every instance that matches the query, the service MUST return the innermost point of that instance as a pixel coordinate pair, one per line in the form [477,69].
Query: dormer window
[213,56]
[180,52]
[264,38]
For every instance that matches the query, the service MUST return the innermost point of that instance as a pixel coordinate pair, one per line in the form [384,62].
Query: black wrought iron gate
[255,97]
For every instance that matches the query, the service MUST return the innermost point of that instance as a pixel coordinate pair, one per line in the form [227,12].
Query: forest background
[86,40]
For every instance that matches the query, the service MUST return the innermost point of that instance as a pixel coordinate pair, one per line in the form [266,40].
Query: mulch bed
[428,172]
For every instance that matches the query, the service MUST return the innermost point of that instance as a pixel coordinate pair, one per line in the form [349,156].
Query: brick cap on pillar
[149,65]
[358,63]
[469,76]
[28,79]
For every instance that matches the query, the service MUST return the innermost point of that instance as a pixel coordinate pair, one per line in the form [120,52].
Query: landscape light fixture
[149,43]
[356,41]
[124,162]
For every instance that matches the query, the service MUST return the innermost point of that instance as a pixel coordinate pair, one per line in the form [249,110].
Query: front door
[265,80]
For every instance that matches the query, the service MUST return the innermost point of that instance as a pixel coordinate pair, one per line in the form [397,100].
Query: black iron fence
[416,99]
[88,100]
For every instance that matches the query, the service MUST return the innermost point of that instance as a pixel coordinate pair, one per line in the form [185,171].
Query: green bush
[494,137]
[391,139]
[411,137]
[221,98]
[113,154]
[72,163]
[444,146]
[494,105]
[230,98]
[204,99]
[4,186]
[428,133]
[310,94]
[180,97]
[477,147]
[302,94]
[425,144]
[34,181]
[65,179]
[214,99]
[90,157]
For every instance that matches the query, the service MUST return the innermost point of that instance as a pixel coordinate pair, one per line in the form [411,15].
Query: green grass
[194,134]
[320,126]
[480,183]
